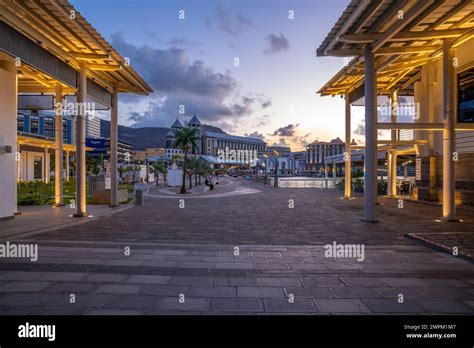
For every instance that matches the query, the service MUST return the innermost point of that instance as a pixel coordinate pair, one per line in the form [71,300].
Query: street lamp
[275,183]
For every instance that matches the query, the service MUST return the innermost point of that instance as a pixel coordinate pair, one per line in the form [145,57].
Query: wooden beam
[104,67]
[90,56]
[404,36]
[418,126]
[450,14]
[401,24]
[407,50]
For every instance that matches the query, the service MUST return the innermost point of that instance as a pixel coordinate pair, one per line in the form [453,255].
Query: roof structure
[57,27]
[404,35]
[177,124]
[194,121]
[225,136]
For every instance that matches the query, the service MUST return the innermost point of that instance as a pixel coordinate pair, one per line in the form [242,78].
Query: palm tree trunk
[190,181]
[185,164]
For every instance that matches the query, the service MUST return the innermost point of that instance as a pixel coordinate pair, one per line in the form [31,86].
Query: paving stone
[57,311]
[105,278]
[237,305]
[322,281]
[191,280]
[165,290]
[235,281]
[445,307]
[14,311]
[62,276]
[277,281]
[149,279]
[447,293]
[114,312]
[82,301]
[26,300]
[299,305]
[71,287]
[117,289]
[308,292]
[354,292]
[406,282]
[190,303]
[363,281]
[23,286]
[18,275]
[408,293]
[342,306]
[392,306]
[132,302]
[274,265]
[444,282]
[259,292]
[213,291]
[234,265]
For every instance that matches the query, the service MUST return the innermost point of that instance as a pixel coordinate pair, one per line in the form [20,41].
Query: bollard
[138,197]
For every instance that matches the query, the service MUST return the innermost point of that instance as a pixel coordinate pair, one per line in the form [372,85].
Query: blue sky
[191,62]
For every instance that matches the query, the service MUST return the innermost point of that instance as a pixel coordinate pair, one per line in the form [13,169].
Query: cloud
[255,135]
[286,131]
[277,44]
[262,120]
[281,142]
[227,21]
[177,80]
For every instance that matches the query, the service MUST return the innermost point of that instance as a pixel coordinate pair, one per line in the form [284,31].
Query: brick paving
[182,261]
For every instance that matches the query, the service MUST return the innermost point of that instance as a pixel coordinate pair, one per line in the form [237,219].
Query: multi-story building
[317,151]
[36,140]
[92,127]
[211,142]
[300,159]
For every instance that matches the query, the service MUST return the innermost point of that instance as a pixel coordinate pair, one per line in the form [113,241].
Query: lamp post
[275,183]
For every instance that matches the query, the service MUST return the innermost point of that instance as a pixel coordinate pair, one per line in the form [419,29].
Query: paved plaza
[183,259]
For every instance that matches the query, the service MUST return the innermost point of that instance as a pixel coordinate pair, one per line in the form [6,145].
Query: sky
[247,66]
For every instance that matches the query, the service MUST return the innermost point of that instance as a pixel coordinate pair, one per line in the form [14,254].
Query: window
[21,123]
[466,96]
[34,124]
[38,168]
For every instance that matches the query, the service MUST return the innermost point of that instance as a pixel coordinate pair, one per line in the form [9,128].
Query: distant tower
[170,138]
[195,123]
[177,125]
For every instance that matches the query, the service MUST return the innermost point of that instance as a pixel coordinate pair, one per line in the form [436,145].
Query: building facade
[317,151]
[92,127]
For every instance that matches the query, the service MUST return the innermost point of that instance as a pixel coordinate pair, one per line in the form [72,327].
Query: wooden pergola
[52,48]
[389,41]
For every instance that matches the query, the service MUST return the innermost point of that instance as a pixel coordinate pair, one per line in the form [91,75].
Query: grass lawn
[39,193]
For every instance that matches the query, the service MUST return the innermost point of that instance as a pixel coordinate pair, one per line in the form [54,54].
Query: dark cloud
[228,21]
[281,142]
[277,44]
[177,81]
[262,120]
[286,131]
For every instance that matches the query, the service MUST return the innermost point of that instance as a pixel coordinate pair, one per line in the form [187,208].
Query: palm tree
[192,168]
[156,168]
[203,169]
[186,138]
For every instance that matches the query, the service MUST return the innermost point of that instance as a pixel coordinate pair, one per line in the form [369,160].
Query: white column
[81,143]
[449,182]
[391,180]
[113,150]
[58,149]
[334,169]
[67,165]
[370,157]
[8,137]
[393,173]
[18,162]
[348,176]
[46,165]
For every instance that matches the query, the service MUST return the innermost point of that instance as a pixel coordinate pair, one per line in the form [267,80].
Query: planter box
[103,196]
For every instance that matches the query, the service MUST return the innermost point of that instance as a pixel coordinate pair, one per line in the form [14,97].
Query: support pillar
[67,165]
[8,138]
[81,144]
[114,150]
[334,169]
[391,178]
[18,162]
[46,165]
[370,157]
[393,170]
[58,149]
[348,160]
[449,182]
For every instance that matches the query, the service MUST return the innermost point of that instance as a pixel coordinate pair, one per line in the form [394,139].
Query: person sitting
[209,183]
